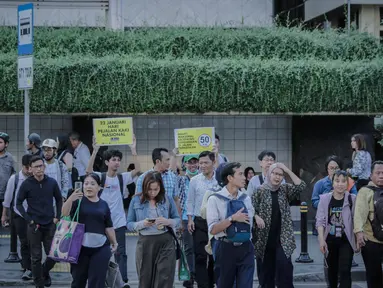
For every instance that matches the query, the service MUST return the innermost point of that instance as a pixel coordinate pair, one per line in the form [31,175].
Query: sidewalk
[311,272]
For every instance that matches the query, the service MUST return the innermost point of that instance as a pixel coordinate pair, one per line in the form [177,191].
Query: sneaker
[126,285]
[47,281]
[188,283]
[27,275]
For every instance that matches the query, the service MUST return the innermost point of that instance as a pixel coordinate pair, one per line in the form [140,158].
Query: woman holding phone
[99,238]
[334,221]
[152,214]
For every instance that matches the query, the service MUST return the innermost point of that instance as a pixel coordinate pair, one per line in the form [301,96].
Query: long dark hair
[150,178]
[63,144]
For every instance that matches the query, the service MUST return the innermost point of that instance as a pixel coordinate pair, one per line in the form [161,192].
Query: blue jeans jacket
[138,212]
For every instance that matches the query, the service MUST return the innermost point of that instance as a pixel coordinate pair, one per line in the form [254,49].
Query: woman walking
[274,234]
[334,222]
[152,214]
[99,238]
[361,161]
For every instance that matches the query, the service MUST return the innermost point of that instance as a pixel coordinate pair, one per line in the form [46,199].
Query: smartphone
[78,185]
[151,220]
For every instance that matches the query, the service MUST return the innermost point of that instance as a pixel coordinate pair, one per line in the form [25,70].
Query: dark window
[381,37]
[381,15]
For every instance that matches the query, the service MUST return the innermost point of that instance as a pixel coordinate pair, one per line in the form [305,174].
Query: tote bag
[67,242]
[113,276]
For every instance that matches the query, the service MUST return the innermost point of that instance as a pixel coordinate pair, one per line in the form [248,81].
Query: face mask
[191,173]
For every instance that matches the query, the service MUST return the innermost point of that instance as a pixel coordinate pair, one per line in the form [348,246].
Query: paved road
[311,272]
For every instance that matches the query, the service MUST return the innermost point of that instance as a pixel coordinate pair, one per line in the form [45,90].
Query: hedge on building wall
[266,43]
[125,84]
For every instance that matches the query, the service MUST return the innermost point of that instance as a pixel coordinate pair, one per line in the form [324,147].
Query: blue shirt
[325,186]
[169,179]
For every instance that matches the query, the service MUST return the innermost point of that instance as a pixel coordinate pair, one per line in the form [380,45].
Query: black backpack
[377,222]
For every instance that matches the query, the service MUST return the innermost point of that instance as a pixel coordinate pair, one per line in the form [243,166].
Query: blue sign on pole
[25,29]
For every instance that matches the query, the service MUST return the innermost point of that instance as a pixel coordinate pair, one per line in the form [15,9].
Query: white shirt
[217,208]
[81,159]
[8,196]
[197,188]
[53,170]
[112,195]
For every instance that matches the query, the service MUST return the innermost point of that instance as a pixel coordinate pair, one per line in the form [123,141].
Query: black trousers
[121,256]
[43,235]
[21,226]
[372,255]
[339,261]
[91,267]
[275,265]
[204,263]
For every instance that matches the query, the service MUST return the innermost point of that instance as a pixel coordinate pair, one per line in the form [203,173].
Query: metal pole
[304,257]
[348,17]
[26,115]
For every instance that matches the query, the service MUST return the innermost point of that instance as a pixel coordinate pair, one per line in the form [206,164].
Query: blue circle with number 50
[204,140]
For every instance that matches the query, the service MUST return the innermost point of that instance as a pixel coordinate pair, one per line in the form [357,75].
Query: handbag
[178,246]
[183,268]
[67,241]
[113,275]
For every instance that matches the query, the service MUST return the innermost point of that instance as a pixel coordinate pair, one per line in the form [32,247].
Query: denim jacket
[138,212]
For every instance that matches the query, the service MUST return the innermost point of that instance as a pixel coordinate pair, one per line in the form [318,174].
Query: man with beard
[54,168]
[33,144]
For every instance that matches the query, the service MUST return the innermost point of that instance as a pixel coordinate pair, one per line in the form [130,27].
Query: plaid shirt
[183,186]
[169,179]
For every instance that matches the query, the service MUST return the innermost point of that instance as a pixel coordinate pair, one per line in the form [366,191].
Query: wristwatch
[231,219]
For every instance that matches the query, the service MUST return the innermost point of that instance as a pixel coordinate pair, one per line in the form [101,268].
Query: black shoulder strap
[103,179]
[14,189]
[121,180]
[260,176]
[350,201]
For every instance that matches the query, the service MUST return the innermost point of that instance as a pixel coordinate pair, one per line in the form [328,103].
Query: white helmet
[50,143]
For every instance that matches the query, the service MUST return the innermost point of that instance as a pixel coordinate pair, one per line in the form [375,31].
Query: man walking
[196,224]
[234,252]
[9,207]
[81,155]
[33,144]
[39,192]
[368,225]
[6,164]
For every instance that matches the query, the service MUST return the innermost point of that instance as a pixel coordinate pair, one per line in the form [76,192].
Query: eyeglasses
[38,167]
[268,160]
[333,168]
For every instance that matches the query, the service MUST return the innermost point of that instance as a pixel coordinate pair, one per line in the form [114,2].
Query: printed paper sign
[113,131]
[194,140]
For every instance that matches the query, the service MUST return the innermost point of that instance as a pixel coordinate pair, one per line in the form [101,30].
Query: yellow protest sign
[194,140]
[113,131]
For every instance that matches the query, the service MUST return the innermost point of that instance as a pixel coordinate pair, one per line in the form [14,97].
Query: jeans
[188,246]
[372,256]
[92,266]
[21,230]
[121,257]
[43,235]
[339,261]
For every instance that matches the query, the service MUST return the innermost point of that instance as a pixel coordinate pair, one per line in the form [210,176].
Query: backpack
[237,232]
[377,222]
[120,180]
[260,176]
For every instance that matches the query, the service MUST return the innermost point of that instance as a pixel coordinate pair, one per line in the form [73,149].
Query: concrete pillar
[115,15]
[369,19]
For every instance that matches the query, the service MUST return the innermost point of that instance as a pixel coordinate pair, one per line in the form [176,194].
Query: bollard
[304,257]
[13,256]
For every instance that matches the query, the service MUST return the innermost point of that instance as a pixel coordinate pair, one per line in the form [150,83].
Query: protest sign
[113,131]
[194,140]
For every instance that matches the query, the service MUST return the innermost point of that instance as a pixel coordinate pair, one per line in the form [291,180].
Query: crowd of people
[230,220]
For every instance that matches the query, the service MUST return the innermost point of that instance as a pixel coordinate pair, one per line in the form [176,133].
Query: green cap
[187,158]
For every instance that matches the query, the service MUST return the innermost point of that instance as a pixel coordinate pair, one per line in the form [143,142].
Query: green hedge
[136,85]
[266,43]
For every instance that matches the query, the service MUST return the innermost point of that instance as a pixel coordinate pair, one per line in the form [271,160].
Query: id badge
[338,231]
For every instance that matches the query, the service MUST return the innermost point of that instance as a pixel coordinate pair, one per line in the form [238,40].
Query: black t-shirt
[275,227]
[335,219]
[95,215]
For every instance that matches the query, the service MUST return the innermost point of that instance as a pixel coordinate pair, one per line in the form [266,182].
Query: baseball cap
[35,138]
[187,158]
